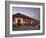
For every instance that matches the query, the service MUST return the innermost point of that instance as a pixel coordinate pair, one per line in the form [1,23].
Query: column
[16,20]
[21,20]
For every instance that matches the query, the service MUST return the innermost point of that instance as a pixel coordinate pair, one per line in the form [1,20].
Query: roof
[18,15]
[22,15]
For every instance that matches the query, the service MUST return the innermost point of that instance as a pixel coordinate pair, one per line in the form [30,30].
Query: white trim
[29,31]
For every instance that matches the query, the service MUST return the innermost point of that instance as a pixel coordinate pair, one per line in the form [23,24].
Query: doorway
[19,21]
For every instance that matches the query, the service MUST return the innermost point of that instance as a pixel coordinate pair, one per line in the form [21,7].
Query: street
[25,27]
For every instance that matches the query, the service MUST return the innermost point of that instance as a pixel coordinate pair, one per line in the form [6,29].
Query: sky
[28,11]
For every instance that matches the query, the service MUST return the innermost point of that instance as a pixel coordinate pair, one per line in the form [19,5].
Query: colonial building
[20,19]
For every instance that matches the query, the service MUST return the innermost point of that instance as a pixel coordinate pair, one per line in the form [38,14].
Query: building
[20,19]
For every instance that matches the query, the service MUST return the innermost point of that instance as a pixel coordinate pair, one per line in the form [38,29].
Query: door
[19,21]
